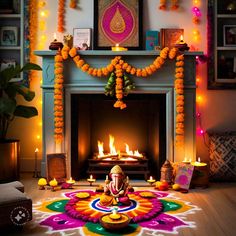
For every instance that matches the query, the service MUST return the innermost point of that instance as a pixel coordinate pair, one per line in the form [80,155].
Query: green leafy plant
[9,107]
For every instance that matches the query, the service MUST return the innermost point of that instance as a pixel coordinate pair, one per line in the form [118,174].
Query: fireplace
[142,126]
[147,124]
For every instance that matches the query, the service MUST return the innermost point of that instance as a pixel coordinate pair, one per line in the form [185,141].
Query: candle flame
[36,150]
[199,159]
[151,178]
[117,45]
[181,37]
[55,36]
[100,149]
[91,176]
[111,145]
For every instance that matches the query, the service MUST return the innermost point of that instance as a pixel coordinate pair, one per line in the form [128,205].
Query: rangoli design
[150,211]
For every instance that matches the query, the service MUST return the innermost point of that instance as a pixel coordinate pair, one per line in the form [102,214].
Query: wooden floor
[217,216]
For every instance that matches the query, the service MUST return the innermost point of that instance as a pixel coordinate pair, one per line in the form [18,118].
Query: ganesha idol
[116,190]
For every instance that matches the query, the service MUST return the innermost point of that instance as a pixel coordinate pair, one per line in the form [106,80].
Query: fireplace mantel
[78,82]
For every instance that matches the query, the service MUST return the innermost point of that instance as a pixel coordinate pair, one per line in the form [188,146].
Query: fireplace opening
[142,125]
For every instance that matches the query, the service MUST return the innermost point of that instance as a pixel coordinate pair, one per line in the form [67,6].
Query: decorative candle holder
[181,45]
[91,180]
[151,181]
[70,181]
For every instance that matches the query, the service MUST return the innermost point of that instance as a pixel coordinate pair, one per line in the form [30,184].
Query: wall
[216,108]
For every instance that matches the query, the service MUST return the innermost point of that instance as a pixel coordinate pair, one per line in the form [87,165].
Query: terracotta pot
[9,160]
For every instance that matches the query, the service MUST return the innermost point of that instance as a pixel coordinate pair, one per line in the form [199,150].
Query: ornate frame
[128,33]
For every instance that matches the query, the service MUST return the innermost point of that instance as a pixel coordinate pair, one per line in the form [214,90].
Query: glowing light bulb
[199,98]
[38,136]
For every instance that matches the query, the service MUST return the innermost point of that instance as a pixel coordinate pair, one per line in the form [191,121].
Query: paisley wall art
[117,22]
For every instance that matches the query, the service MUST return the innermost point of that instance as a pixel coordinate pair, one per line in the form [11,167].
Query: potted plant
[9,108]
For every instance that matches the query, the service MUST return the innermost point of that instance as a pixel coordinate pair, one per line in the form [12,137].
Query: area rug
[151,213]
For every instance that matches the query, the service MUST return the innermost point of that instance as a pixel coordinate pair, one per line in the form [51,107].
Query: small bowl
[111,224]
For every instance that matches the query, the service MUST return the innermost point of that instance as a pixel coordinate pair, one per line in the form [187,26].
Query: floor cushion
[222,151]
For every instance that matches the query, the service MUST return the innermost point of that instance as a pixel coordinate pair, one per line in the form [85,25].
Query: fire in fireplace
[141,126]
[116,155]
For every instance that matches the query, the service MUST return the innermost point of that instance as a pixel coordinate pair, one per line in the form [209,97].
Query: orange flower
[105,71]
[58,86]
[58,113]
[110,68]
[58,58]
[179,63]
[58,64]
[144,73]
[179,70]
[180,117]
[138,72]
[90,71]
[73,52]
[58,102]
[125,65]
[128,69]
[94,72]
[76,59]
[180,109]
[58,70]
[99,72]
[180,57]
[133,71]
[80,63]
[85,67]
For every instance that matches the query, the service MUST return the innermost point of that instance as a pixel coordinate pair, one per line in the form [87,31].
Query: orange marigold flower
[58,108]
[179,70]
[90,71]
[179,131]
[117,104]
[180,57]
[153,68]
[173,53]
[118,66]
[121,62]
[123,106]
[179,98]
[138,72]
[160,60]
[85,67]
[58,70]
[179,109]
[110,67]
[119,86]
[95,72]
[57,96]
[179,75]
[119,80]
[133,71]
[157,64]
[128,69]
[58,130]
[104,71]
[179,138]
[148,69]
[179,103]
[73,52]
[58,86]
[58,91]
[58,113]
[99,72]
[59,124]
[125,65]
[58,81]
[144,73]
[58,119]
[179,91]
[180,125]
[80,63]
[58,64]
[179,63]
[58,58]
[119,95]
[76,59]
[180,117]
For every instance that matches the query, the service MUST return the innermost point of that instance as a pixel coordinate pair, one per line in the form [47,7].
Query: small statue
[116,190]
[68,40]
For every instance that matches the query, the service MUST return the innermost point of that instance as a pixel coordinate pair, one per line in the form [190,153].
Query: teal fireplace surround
[78,82]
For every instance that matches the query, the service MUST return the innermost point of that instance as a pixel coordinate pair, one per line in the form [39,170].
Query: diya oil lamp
[91,180]
[181,44]
[151,180]
[55,45]
[70,181]
[53,184]
[42,182]
[117,48]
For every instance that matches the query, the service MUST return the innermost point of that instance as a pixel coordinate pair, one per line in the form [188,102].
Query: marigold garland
[73,3]
[58,98]
[179,89]
[174,5]
[119,84]
[60,16]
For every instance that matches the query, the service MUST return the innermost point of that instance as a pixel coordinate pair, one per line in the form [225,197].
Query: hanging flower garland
[179,89]
[60,20]
[174,5]
[119,84]
[58,98]
[162,5]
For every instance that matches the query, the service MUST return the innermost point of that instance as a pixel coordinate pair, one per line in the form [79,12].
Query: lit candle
[55,36]
[118,48]
[70,181]
[151,180]
[115,215]
[91,180]
[185,161]
[53,183]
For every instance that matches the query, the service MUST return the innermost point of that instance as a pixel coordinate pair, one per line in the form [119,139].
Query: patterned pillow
[222,152]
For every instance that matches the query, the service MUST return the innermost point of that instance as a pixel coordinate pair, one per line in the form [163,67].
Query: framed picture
[118,22]
[4,64]
[169,37]
[9,36]
[230,35]
[82,38]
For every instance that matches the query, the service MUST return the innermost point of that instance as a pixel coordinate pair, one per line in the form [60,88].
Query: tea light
[151,180]
[117,48]
[200,176]
[181,45]
[115,215]
[70,181]
[91,180]
[186,161]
